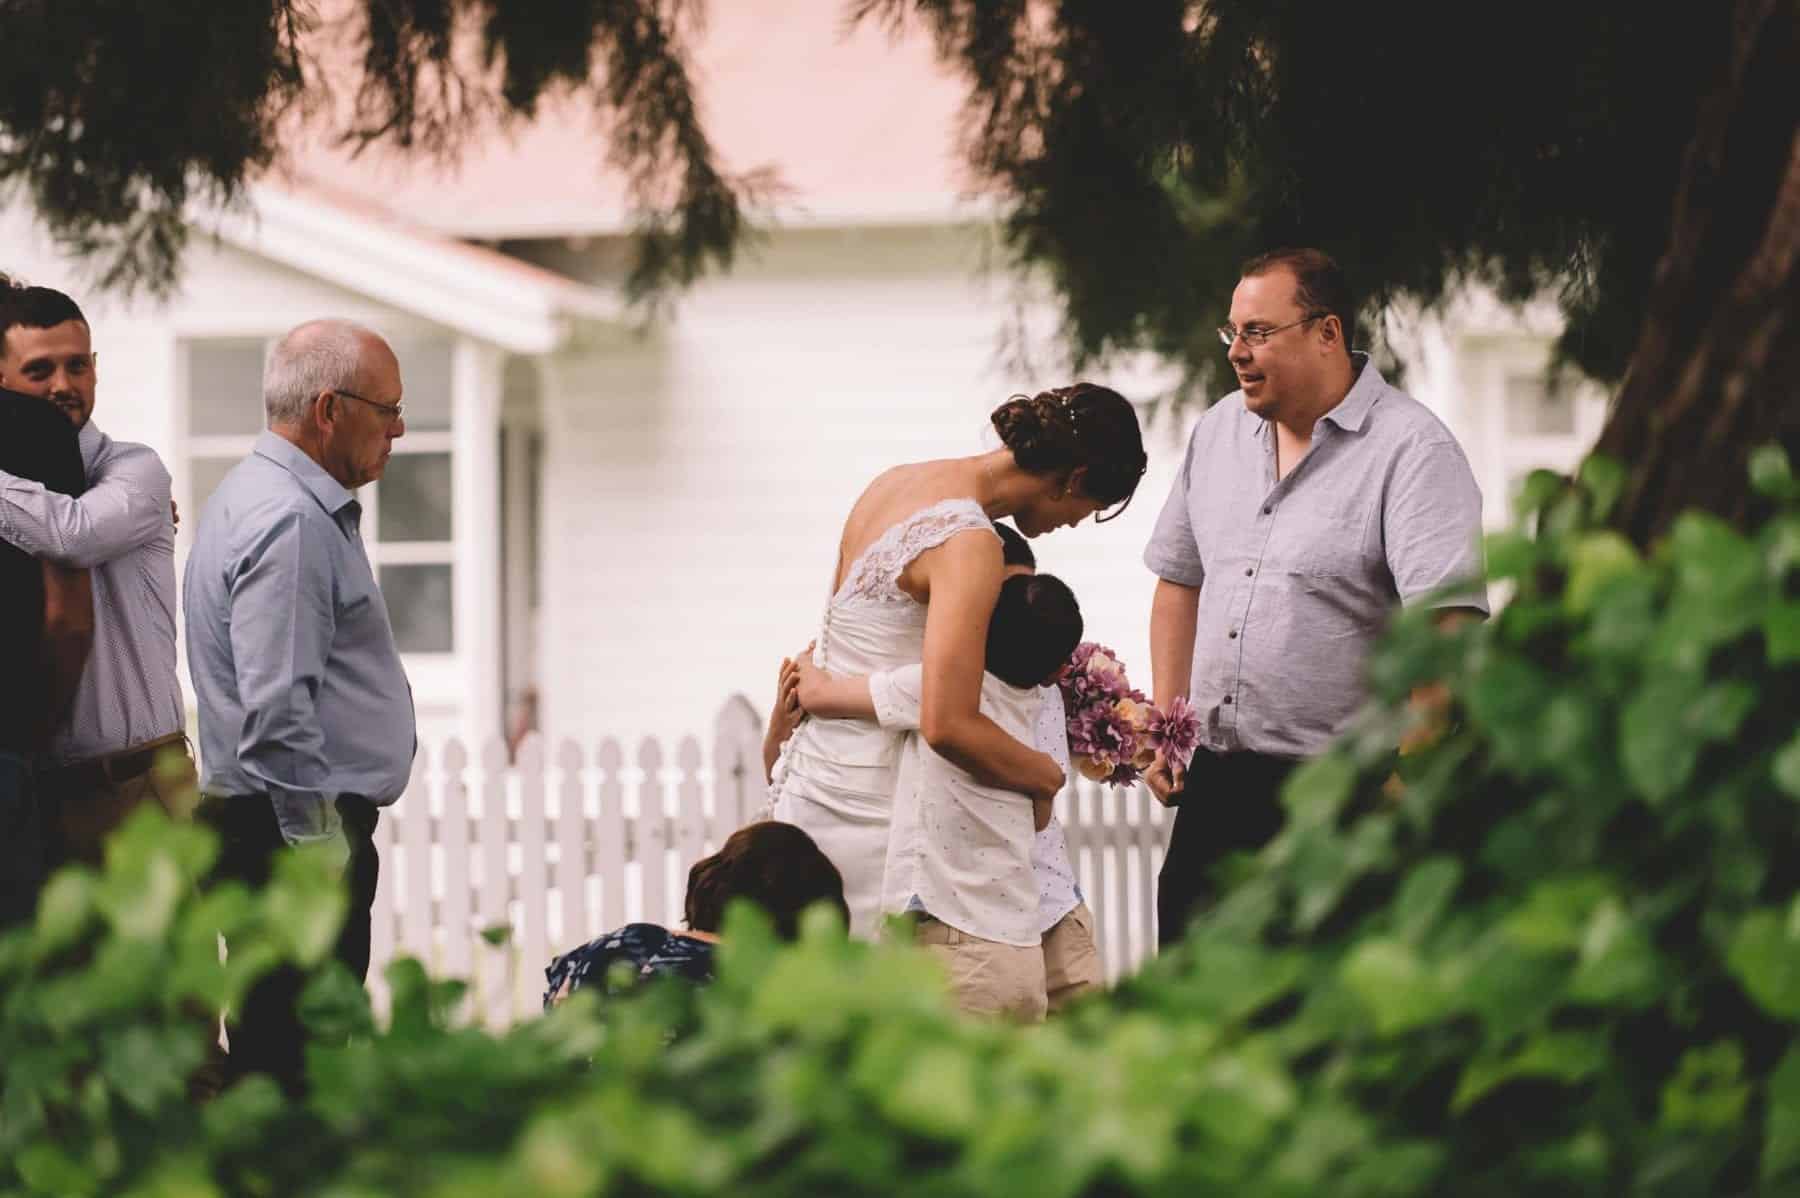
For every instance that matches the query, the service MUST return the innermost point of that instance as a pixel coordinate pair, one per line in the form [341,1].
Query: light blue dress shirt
[301,693]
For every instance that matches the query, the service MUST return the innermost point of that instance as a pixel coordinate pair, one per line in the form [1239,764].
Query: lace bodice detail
[876,574]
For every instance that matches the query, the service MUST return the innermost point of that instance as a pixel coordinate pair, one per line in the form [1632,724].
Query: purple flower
[1175,732]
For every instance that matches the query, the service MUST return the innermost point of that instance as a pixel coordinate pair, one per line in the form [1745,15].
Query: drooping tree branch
[164,104]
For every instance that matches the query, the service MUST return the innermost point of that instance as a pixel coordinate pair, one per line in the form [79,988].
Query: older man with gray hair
[306,717]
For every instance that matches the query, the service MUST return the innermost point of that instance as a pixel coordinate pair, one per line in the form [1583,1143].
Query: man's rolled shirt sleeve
[125,510]
[1173,554]
[1431,529]
[282,617]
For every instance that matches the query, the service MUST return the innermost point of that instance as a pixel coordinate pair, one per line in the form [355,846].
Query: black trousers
[1229,803]
[22,848]
[267,1035]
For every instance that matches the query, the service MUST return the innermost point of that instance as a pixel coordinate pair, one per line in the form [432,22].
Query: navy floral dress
[649,950]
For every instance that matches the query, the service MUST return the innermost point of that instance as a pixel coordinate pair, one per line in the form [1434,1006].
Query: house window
[409,516]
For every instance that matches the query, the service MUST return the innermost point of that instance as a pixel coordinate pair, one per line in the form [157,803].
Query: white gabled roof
[476,291]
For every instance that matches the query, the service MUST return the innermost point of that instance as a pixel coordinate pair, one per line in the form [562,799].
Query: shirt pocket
[1331,550]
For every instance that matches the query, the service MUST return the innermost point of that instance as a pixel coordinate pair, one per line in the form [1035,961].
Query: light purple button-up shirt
[1298,577]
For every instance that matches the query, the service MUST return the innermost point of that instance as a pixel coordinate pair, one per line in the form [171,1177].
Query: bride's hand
[809,680]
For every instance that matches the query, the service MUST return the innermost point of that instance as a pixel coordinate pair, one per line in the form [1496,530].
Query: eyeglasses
[392,411]
[1257,337]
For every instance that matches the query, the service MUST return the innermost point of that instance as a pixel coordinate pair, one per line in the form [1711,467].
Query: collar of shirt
[1352,411]
[93,443]
[330,493]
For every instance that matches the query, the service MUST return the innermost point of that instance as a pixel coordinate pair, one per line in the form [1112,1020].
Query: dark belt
[103,771]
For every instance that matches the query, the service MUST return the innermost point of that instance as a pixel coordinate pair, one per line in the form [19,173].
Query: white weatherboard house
[634,524]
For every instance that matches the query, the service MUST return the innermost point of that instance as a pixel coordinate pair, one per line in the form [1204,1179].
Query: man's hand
[174,515]
[1041,811]
[1165,779]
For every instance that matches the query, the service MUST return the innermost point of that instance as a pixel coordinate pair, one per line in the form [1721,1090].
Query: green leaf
[1772,475]
[1622,617]
[1555,915]
[65,909]
[1765,958]
[1424,895]
[1618,963]
[1712,559]
[1786,767]
[1563,1056]
[1781,631]
[1594,560]
[1657,752]
[1781,1125]
[1707,1093]
[1510,555]
[1394,985]
[47,1169]
[304,906]
[937,1096]
[1317,790]
[1506,699]
[1538,490]
[1781,545]
[149,1069]
[1604,478]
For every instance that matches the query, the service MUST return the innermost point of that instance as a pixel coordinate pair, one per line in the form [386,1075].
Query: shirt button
[1232,635]
[1268,509]
[1227,698]
[1249,571]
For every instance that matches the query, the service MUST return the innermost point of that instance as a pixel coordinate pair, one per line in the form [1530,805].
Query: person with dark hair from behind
[46,631]
[774,865]
[124,743]
[960,853]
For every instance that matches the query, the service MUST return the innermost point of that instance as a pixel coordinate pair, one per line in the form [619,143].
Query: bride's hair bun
[1081,425]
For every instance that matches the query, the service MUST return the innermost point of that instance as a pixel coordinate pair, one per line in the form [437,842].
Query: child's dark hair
[1015,550]
[777,866]
[1034,630]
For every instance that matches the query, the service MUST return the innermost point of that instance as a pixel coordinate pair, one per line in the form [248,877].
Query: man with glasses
[123,743]
[306,716]
[1312,503]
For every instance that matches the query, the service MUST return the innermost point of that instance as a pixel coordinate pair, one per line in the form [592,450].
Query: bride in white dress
[919,569]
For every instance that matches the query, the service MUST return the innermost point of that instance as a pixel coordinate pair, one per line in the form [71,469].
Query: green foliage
[114,116]
[1560,954]
[1146,149]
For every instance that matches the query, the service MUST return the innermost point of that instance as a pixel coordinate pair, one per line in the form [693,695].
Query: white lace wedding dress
[836,778]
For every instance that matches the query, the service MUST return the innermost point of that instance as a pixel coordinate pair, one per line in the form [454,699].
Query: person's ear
[1331,330]
[1076,483]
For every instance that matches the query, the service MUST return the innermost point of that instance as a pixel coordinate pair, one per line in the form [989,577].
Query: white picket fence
[559,849]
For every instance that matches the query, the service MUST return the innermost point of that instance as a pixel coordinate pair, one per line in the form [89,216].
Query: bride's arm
[963,577]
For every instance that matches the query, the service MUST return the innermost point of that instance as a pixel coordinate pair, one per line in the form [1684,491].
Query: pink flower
[1108,719]
[1176,732]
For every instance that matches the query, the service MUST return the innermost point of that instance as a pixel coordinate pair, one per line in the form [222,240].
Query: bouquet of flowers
[1114,731]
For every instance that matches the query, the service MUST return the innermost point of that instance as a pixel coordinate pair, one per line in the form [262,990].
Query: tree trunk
[1716,371]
